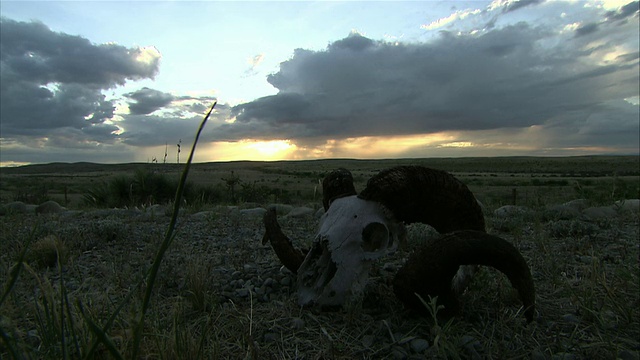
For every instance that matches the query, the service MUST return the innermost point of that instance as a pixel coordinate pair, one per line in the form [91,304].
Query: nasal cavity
[375,236]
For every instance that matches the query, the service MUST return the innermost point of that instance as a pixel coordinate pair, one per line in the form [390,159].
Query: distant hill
[579,165]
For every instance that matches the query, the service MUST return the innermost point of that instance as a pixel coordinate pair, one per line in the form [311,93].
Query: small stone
[599,213]
[236,274]
[269,282]
[419,345]
[297,323]
[585,259]
[563,356]
[15,207]
[471,345]
[270,337]
[286,281]
[398,352]
[367,340]
[570,318]
[253,213]
[391,267]
[242,293]
[49,207]
[33,337]
[625,354]
[537,355]
[299,212]
[249,267]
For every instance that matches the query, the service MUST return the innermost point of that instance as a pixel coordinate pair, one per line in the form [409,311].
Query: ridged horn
[424,195]
[337,184]
[430,269]
[290,257]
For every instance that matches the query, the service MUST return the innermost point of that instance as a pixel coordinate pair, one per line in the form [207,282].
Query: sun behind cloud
[271,149]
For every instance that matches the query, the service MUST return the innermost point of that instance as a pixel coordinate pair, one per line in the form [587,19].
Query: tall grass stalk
[168,238]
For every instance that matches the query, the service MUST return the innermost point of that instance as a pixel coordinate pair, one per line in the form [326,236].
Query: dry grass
[587,283]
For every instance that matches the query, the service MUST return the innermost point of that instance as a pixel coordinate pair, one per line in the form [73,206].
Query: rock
[570,318]
[561,212]
[471,345]
[281,209]
[367,340]
[578,204]
[599,213]
[537,355]
[49,207]
[576,228]
[202,215]
[270,337]
[253,213]
[297,323]
[249,267]
[16,207]
[398,352]
[629,205]
[419,345]
[286,281]
[512,211]
[563,356]
[300,212]
[121,213]
[242,293]
[625,354]
[585,259]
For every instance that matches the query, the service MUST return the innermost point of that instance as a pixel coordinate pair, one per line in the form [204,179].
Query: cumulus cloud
[515,76]
[490,79]
[148,100]
[180,122]
[52,82]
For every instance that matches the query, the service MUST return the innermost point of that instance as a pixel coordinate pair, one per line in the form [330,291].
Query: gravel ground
[217,271]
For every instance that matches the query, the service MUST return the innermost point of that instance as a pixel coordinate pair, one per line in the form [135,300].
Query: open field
[220,293]
[492,179]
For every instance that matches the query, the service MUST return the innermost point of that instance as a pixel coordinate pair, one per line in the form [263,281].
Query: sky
[116,82]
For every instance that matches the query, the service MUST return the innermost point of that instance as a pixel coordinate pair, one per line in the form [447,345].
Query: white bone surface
[337,266]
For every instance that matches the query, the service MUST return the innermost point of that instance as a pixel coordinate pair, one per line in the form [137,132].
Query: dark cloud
[52,82]
[587,29]
[156,130]
[515,5]
[148,100]
[624,12]
[503,78]
[31,52]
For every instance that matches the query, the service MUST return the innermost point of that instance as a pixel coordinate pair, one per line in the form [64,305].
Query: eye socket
[375,236]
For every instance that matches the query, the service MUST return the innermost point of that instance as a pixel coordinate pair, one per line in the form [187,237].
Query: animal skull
[356,230]
[353,233]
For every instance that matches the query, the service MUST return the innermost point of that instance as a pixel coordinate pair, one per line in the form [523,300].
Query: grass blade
[100,334]
[167,240]
[17,269]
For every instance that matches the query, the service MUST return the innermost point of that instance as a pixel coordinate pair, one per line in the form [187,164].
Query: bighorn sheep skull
[353,232]
[356,230]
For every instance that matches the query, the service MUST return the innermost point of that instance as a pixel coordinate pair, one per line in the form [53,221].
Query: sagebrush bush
[46,252]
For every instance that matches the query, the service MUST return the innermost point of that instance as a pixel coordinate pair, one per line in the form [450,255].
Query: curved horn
[337,184]
[429,196]
[291,257]
[444,255]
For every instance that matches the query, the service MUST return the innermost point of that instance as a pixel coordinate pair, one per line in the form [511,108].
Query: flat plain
[222,294]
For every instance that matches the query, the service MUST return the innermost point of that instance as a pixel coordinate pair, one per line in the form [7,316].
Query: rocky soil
[584,261]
